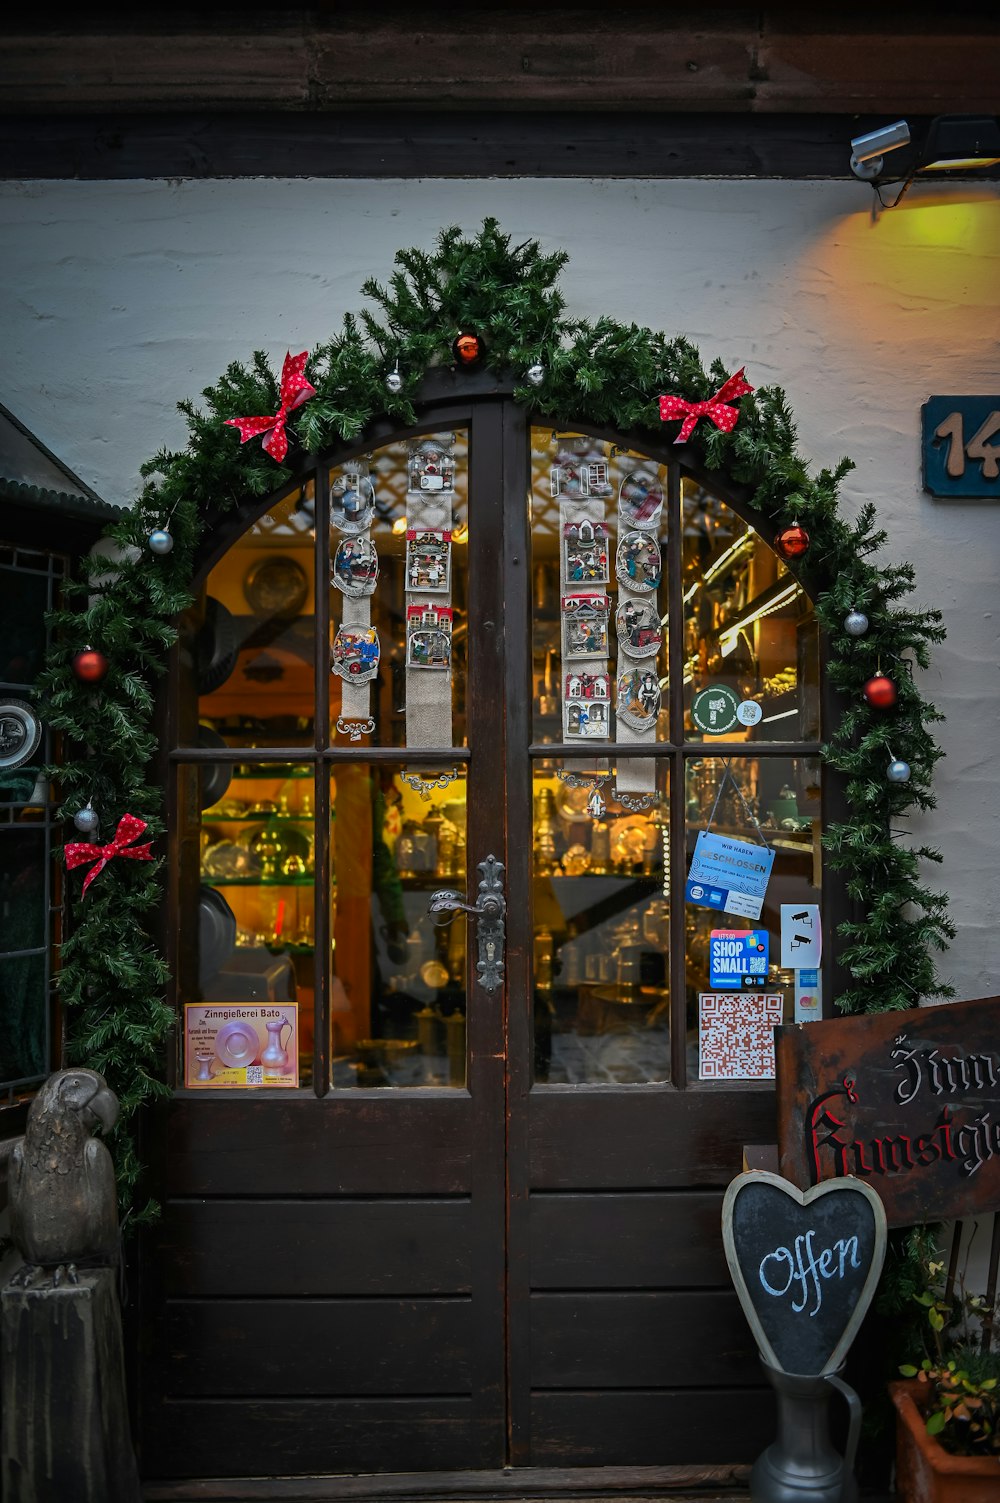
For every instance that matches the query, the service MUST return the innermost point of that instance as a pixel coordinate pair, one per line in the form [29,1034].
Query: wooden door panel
[644,1139]
[324,1348]
[665,1427]
[613,1241]
[282,1437]
[327,1247]
[346,1145]
[640,1340]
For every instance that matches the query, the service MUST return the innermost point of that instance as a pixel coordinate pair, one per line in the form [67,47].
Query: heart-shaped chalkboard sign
[805,1265]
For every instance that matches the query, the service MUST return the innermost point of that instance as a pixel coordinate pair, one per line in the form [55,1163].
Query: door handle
[488,911]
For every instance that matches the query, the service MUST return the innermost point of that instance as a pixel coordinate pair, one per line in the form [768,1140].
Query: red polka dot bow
[130,827]
[715,408]
[295,390]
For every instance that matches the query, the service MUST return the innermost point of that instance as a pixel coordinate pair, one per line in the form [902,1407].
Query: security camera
[868,151]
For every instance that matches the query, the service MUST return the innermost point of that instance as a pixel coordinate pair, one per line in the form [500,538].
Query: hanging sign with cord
[728,873]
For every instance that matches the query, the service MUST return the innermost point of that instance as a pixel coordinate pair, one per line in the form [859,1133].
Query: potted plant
[948,1409]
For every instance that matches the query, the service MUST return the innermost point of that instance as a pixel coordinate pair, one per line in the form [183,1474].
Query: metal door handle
[489,913]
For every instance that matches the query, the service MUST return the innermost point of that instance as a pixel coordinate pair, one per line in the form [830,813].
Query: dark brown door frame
[500,624]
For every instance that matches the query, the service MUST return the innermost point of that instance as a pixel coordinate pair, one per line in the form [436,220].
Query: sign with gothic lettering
[908,1101]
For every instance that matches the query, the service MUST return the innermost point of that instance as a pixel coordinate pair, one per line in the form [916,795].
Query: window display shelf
[304,881]
[209,818]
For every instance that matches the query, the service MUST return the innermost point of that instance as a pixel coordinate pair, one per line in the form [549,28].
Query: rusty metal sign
[908,1101]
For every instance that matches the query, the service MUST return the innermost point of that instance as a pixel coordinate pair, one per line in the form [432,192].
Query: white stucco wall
[117,299]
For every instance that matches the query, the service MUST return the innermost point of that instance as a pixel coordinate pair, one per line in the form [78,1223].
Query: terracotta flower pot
[925,1471]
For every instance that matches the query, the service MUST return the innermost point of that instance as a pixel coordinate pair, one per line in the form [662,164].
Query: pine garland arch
[602,374]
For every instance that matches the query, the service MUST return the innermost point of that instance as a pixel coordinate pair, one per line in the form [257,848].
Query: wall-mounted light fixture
[868,152]
[962,145]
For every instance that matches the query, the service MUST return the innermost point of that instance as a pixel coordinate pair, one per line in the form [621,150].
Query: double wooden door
[472,1220]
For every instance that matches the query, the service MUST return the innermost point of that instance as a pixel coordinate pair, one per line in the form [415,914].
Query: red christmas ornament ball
[90,666]
[792,541]
[880,692]
[468,349]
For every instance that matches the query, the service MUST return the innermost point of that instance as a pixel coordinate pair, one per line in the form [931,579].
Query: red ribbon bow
[295,390]
[130,827]
[715,408]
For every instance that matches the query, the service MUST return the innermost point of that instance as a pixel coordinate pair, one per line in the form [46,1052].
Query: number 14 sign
[961,446]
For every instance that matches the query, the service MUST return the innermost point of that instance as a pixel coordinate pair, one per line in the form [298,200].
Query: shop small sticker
[749,712]
[714,710]
[737,957]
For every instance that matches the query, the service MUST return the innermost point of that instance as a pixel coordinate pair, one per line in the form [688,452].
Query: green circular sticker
[714,710]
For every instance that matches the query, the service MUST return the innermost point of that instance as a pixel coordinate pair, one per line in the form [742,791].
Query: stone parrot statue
[63,1204]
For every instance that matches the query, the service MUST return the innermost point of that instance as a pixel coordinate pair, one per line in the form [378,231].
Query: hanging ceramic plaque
[640,634]
[585,624]
[637,562]
[352,502]
[585,545]
[638,698]
[640,501]
[581,469]
[431,466]
[355,653]
[597,804]
[355,567]
[428,636]
[20,732]
[428,560]
[586,706]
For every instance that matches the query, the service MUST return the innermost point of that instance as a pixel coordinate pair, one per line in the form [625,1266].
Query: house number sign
[960,440]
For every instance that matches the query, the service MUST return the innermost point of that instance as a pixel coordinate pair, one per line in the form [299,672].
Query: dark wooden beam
[587,56]
[398,143]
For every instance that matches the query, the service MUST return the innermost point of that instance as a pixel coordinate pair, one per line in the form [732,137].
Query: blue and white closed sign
[729,874]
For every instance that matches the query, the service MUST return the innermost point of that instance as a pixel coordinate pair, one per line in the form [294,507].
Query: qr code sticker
[736,1035]
[255,1074]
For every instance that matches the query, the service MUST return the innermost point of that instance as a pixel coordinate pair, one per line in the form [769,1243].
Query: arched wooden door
[457,1207]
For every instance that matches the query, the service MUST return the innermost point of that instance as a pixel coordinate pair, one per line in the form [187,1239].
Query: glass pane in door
[599,602]
[245,953]
[749,631]
[247,645]
[601,921]
[397,982]
[772,801]
[399,542]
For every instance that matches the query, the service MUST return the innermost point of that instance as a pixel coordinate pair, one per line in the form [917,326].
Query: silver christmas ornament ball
[394,383]
[160,540]
[855,623]
[86,820]
[898,771]
[535,375]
